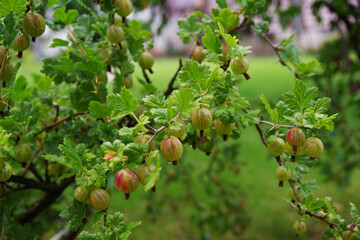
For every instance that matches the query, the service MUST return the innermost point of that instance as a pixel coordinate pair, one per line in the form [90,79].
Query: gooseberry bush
[75,128]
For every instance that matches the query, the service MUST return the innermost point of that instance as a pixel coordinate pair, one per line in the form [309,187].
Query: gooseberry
[283,175]
[127,181]
[313,147]
[143,171]
[22,153]
[299,227]
[128,81]
[143,139]
[206,146]
[20,44]
[5,172]
[295,137]
[106,54]
[7,72]
[198,53]
[115,33]
[125,7]
[171,148]
[276,148]
[146,61]
[102,77]
[201,119]
[34,25]
[223,129]
[180,132]
[240,65]
[99,199]
[81,193]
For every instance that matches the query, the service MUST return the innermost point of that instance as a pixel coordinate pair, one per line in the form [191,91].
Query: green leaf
[225,114]
[227,18]
[66,17]
[123,104]
[135,151]
[152,177]
[98,110]
[303,67]
[21,91]
[322,104]
[15,6]
[273,113]
[301,97]
[21,112]
[125,235]
[59,43]
[9,31]
[308,186]
[194,75]
[291,53]
[314,204]
[211,41]
[157,100]
[97,175]
[221,3]
[74,215]
[189,28]
[72,157]
[261,27]
[184,101]
[354,213]
[91,64]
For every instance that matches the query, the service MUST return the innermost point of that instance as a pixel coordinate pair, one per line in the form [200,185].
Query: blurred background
[233,193]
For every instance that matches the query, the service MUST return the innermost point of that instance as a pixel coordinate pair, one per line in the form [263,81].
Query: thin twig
[171,83]
[38,150]
[59,122]
[276,49]
[157,131]
[146,76]
[75,40]
[98,89]
[275,125]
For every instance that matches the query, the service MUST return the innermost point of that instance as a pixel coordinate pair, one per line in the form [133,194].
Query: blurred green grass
[271,216]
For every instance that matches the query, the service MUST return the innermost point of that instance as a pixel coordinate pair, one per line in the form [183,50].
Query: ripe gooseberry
[146,61]
[283,175]
[295,137]
[128,81]
[201,119]
[299,227]
[22,153]
[34,25]
[198,53]
[171,148]
[125,7]
[347,235]
[21,43]
[313,148]
[224,52]
[143,171]
[223,129]
[99,199]
[127,181]
[276,148]
[55,169]
[240,65]
[81,193]
[5,172]
[7,72]
[115,34]
[289,149]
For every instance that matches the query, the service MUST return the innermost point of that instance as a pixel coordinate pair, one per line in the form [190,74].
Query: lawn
[271,215]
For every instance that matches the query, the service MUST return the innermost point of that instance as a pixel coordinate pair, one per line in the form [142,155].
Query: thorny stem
[276,126]
[75,40]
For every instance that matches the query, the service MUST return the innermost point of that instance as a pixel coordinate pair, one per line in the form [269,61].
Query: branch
[157,131]
[46,201]
[75,40]
[260,130]
[171,83]
[60,121]
[31,183]
[276,48]
[277,126]
[38,150]
[98,89]
[146,76]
